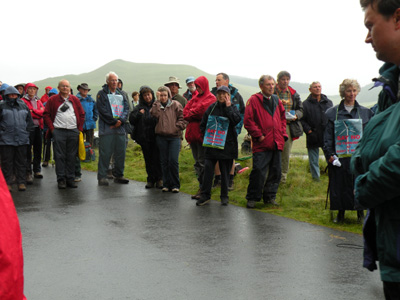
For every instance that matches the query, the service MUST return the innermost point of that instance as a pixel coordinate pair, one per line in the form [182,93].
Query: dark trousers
[225,166]
[198,152]
[169,156]
[88,135]
[151,154]
[46,146]
[13,159]
[65,150]
[111,145]
[391,290]
[265,176]
[35,140]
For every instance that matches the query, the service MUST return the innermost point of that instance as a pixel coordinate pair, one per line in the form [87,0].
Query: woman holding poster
[346,122]
[218,127]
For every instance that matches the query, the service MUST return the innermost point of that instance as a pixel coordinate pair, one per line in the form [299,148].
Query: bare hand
[118,124]
[228,100]
[141,111]
[261,138]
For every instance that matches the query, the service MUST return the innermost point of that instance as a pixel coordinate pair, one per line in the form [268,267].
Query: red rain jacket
[259,122]
[11,258]
[195,109]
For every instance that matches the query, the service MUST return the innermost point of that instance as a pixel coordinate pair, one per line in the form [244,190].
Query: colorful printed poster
[117,104]
[347,135]
[216,131]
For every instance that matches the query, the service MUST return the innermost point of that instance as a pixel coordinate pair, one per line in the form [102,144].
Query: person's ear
[396,17]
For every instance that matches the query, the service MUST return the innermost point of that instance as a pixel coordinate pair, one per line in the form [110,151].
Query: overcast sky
[312,39]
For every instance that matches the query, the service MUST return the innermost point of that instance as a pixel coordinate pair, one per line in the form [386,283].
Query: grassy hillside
[135,75]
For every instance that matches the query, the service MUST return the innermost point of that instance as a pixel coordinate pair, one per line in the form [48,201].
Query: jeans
[169,157]
[111,145]
[265,176]
[286,154]
[313,159]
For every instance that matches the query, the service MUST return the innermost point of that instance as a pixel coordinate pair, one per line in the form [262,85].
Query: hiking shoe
[109,174]
[121,180]
[159,184]
[45,164]
[175,190]
[9,188]
[251,204]
[231,185]
[29,179]
[149,185]
[197,195]
[38,175]
[271,201]
[62,185]
[217,181]
[71,184]
[103,181]
[165,189]
[224,201]
[21,187]
[202,202]
[78,179]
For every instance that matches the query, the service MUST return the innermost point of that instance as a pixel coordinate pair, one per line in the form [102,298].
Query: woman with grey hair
[346,122]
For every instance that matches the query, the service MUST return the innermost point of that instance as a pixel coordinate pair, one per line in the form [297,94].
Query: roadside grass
[301,198]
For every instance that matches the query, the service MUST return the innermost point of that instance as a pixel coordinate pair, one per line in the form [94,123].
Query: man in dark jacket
[294,112]
[64,116]
[265,121]
[314,122]
[113,110]
[377,156]
[222,108]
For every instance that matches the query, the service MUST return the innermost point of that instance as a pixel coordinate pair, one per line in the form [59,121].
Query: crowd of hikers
[31,127]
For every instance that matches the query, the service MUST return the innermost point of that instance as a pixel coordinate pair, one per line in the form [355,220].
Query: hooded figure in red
[11,258]
[195,109]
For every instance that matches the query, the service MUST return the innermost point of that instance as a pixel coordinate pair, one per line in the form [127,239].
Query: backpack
[90,154]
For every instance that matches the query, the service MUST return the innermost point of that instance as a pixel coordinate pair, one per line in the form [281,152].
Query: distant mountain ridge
[134,75]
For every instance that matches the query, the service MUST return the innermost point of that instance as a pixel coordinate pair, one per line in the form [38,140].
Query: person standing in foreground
[294,112]
[265,121]
[64,116]
[221,111]
[113,110]
[314,122]
[376,159]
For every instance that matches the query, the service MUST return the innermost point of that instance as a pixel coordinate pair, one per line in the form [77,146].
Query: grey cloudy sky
[312,39]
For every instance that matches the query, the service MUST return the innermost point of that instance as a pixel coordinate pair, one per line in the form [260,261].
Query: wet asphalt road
[126,242]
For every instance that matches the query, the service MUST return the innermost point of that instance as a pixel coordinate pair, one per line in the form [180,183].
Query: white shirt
[66,119]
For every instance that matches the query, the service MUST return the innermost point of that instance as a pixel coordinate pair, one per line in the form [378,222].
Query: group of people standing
[274,118]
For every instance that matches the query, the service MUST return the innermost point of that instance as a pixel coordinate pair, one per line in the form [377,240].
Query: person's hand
[331,159]
[309,131]
[228,100]
[285,101]
[118,124]
[141,111]
[261,138]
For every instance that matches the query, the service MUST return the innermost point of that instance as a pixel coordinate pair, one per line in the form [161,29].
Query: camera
[64,107]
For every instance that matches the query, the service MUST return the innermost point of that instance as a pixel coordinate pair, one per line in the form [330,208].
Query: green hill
[134,75]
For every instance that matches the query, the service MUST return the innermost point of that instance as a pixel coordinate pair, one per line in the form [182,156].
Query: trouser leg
[313,159]
[225,165]
[257,175]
